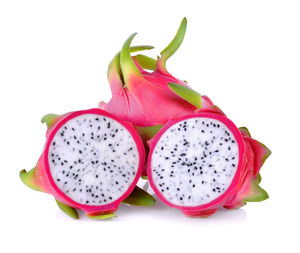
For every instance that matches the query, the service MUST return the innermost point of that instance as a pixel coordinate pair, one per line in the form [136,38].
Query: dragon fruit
[142,97]
[91,161]
[202,162]
[197,160]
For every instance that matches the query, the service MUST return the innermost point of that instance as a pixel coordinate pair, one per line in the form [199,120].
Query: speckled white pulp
[195,161]
[93,159]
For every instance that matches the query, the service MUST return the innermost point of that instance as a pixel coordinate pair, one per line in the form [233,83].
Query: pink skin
[148,101]
[256,154]
[44,180]
[252,155]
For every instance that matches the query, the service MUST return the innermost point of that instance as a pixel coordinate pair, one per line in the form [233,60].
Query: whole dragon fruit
[202,162]
[141,97]
[91,161]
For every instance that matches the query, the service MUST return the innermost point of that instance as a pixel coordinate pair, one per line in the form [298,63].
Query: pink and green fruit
[202,162]
[140,86]
[91,161]
[197,160]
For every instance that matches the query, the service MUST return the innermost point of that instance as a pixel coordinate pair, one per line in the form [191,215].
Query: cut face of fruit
[92,158]
[194,161]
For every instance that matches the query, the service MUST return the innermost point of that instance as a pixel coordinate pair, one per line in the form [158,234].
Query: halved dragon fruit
[142,97]
[201,162]
[91,161]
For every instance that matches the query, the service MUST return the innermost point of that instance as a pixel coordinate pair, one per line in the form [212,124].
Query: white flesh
[180,170]
[93,159]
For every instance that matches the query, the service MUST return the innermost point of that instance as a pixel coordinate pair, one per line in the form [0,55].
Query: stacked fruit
[154,126]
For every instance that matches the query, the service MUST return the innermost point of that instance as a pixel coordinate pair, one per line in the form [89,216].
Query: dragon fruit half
[202,161]
[142,97]
[91,161]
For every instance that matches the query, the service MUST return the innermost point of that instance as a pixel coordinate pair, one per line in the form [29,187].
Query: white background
[244,54]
